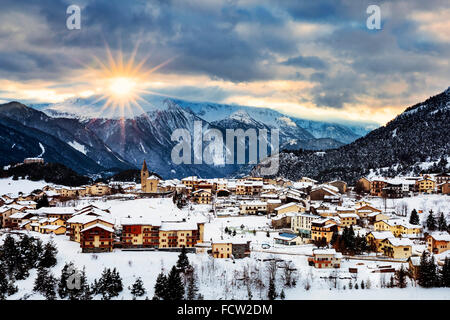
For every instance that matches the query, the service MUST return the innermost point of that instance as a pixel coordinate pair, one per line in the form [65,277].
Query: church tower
[144,176]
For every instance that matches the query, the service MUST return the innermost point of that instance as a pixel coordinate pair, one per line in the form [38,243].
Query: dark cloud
[306,62]
[237,41]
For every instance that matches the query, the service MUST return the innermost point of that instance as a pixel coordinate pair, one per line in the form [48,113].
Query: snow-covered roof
[440,236]
[324,251]
[143,221]
[381,235]
[98,225]
[178,226]
[348,215]
[287,205]
[400,242]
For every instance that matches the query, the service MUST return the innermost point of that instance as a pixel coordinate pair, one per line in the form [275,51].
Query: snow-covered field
[220,278]
[14,187]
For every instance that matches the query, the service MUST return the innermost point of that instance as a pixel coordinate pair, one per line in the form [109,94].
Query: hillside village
[378,226]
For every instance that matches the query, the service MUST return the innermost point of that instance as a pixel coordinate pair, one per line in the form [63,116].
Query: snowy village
[244,238]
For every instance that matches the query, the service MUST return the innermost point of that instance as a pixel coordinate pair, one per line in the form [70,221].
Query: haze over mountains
[75,134]
[417,139]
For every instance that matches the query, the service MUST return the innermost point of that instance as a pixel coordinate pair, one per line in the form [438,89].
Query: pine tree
[42,202]
[3,283]
[48,287]
[192,288]
[45,283]
[48,259]
[400,277]
[445,273]
[282,295]
[161,287]
[183,261]
[427,276]
[442,223]
[175,285]
[41,274]
[431,222]
[10,254]
[137,289]
[362,285]
[271,293]
[414,218]
[109,285]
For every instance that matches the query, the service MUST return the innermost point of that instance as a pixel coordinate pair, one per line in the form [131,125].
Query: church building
[149,184]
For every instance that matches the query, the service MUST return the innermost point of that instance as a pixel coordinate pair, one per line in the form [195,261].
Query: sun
[122,87]
[121,82]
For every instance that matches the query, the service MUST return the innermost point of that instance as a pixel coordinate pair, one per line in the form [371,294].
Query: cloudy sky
[314,59]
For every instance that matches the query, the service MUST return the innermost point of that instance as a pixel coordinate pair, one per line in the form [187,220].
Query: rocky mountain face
[72,134]
[415,140]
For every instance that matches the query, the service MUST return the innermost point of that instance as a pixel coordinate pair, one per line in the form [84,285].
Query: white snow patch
[77,146]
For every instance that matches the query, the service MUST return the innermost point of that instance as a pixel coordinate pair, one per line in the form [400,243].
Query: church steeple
[144,176]
[144,166]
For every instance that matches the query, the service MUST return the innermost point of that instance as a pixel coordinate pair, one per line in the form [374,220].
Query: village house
[376,187]
[323,229]
[288,239]
[7,211]
[140,232]
[201,196]
[180,234]
[397,248]
[99,189]
[426,185]
[438,242]
[364,210]
[232,248]
[341,185]
[52,225]
[249,188]
[253,207]
[444,188]
[398,228]
[414,266]
[325,258]
[301,224]
[82,221]
[289,207]
[19,218]
[364,184]
[283,221]
[376,216]
[272,204]
[347,219]
[97,237]
[325,193]
[374,239]
[33,160]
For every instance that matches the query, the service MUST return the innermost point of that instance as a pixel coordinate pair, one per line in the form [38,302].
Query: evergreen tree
[234,232]
[271,293]
[442,223]
[36,253]
[431,222]
[10,254]
[41,274]
[175,288]
[282,295]
[42,202]
[414,218]
[427,271]
[192,288]
[48,258]
[362,285]
[45,283]
[137,289]
[4,284]
[445,273]
[161,287]
[109,285]
[183,261]
[48,287]
[400,277]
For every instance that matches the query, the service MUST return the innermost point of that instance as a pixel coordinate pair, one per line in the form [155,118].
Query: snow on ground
[78,146]
[13,187]
[222,278]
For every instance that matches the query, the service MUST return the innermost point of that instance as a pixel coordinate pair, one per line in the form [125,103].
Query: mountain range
[414,141]
[75,134]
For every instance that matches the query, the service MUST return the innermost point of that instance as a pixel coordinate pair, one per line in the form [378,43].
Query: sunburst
[121,83]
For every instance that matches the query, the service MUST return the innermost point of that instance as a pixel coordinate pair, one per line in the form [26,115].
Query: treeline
[18,257]
[49,172]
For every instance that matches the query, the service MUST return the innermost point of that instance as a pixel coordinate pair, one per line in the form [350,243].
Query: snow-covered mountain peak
[241,116]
